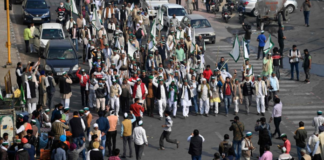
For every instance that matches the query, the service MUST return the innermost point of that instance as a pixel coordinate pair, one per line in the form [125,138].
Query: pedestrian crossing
[303,109]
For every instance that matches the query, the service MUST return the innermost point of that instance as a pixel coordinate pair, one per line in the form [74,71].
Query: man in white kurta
[186,96]
[205,94]
[318,121]
[162,100]
[260,93]
[115,92]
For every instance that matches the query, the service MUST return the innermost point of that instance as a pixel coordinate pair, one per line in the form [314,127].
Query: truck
[152,6]
[270,11]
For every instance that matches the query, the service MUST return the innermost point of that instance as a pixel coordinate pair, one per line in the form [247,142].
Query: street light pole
[8,44]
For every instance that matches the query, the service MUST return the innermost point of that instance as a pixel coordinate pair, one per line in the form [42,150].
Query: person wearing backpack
[264,134]
[139,33]
[225,145]
[294,56]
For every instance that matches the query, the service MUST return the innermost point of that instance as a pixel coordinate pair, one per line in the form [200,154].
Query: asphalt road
[213,128]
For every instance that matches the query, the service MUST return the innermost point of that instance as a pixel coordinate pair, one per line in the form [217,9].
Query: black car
[60,56]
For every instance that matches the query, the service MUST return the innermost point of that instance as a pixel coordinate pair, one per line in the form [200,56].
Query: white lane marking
[219,135]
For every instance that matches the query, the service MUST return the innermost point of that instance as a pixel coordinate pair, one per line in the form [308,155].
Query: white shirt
[139,91]
[318,121]
[139,136]
[260,89]
[292,53]
[115,58]
[204,90]
[243,145]
[162,92]
[194,88]
[122,62]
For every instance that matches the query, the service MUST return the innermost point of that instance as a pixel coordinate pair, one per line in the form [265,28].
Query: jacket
[74,155]
[27,34]
[195,147]
[300,137]
[238,129]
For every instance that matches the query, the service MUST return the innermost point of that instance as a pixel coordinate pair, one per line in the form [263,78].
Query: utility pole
[8,44]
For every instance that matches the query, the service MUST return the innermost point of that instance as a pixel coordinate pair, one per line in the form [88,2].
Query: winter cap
[248,134]
[24,140]
[140,123]
[86,108]
[62,138]
[125,115]
[319,112]
[95,125]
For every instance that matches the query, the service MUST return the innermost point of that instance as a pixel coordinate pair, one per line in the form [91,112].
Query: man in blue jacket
[103,124]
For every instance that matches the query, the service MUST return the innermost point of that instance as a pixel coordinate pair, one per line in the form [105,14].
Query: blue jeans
[196,157]
[247,45]
[237,148]
[75,41]
[228,101]
[103,144]
[298,152]
[306,16]
[139,41]
[292,66]
[79,142]
[194,101]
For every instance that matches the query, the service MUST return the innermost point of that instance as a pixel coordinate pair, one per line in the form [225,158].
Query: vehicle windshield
[177,11]
[200,23]
[59,53]
[36,5]
[52,34]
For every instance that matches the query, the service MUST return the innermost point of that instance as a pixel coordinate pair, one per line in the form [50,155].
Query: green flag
[22,95]
[1,94]
[235,53]
[73,7]
[268,46]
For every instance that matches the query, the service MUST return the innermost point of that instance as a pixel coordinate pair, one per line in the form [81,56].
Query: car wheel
[255,12]
[290,8]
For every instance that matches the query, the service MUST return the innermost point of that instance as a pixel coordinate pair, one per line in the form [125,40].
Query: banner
[268,46]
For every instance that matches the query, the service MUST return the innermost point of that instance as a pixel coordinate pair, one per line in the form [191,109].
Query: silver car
[290,5]
[201,25]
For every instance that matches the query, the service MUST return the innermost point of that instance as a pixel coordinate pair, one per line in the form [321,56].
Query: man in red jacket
[207,73]
[84,78]
[137,109]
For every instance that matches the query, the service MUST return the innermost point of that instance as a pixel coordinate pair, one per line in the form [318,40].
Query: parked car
[201,25]
[169,10]
[60,56]
[46,32]
[35,11]
[290,5]
[152,6]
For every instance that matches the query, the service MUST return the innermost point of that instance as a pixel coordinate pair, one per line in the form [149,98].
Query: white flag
[131,49]
[245,51]
[132,6]
[160,16]
[96,21]
[193,41]
[117,44]
[235,53]
[153,31]
[268,46]
[73,7]
[178,34]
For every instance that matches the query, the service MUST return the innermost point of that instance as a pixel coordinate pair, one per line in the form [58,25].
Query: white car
[169,10]
[152,6]
[49,31]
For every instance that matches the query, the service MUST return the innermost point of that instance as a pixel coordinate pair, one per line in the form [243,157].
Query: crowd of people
[168,74]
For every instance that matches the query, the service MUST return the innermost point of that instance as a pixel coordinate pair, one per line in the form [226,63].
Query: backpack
[138,33]
[264,136]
